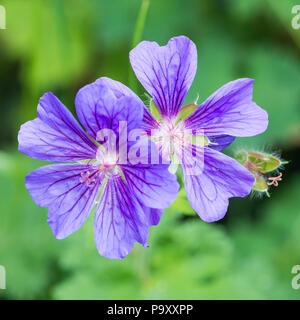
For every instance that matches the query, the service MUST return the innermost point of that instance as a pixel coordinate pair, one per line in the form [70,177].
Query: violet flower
[129,197]
[167,73]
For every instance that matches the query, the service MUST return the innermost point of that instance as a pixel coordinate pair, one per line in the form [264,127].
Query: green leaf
[29,263]
[181,204]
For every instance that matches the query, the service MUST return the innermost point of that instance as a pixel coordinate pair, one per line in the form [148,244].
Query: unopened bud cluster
[264,167]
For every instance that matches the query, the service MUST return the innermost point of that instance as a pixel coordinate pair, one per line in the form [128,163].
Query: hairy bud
[264,167]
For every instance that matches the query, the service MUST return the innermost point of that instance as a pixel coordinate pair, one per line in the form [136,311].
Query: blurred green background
[59,46]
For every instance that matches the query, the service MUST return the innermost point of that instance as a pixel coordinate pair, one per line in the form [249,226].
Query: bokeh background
[61,45]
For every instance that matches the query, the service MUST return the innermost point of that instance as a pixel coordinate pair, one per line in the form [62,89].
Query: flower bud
[261,165]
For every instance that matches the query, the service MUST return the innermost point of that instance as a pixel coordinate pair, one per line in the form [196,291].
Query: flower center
[172,136]
[105,165]
[170,133]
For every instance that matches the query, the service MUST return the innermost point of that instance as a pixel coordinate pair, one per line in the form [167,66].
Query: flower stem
[137,35]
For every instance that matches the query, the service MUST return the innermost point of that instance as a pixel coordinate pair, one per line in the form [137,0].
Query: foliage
[61,45]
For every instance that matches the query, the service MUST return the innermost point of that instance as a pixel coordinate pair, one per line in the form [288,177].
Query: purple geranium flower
[167,73]
[129,197]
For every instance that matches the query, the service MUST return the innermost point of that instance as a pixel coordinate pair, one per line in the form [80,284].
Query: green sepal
[199,140]
[122,174]
[85,161]
[154,110]
[173,167]
[186,111]
[241,157]
[96,142]
[260,184]
[103,184]
[264,162]
[174,162]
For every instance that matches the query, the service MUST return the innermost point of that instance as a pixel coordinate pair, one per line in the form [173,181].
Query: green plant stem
[137,35]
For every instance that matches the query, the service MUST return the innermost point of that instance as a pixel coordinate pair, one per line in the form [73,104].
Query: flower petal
[222,178]
[127,209]
[153,215]
[55,135]
[231,111]
[121,90]
[166,72]
[153,185]
[120,221]
[149,122]
[58,187]
[221,142]
[102,104]
[118,88]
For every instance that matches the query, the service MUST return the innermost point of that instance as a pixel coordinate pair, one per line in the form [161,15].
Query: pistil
[87,177]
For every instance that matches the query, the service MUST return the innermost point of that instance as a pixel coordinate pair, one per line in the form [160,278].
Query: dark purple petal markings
[70,201]
[153,184]
[119,221]
[126,208]
[105,102]
[166,72]
[222,178]
[55,135]
[227,113]
[230,111]
[120,90]
[220,142]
